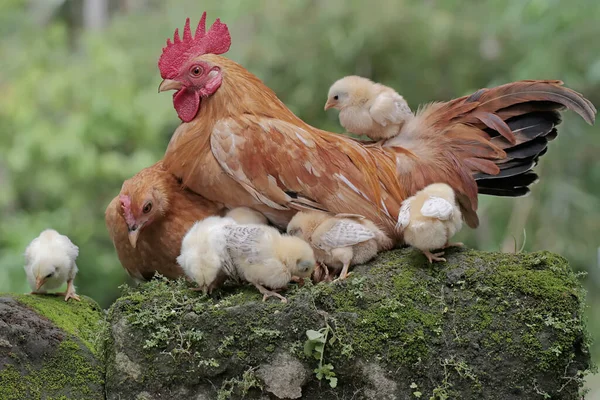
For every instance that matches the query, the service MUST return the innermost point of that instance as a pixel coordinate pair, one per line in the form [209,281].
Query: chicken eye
[336,97]
[196,71]
[49,275]
[147,207]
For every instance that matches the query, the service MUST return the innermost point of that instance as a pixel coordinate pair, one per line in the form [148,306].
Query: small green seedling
[315,347]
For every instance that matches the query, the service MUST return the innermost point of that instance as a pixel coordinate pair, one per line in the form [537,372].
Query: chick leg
[70,293]
[268,293]
[344,274]
[434,256]
[344,255]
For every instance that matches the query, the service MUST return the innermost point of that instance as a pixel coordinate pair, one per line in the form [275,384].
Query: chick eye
[147,207]
[336,97]
[196,71]
[50,275]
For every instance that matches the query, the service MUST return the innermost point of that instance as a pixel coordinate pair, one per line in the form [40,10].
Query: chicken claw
[269,293]
[434,256]
[70,293]
[344,274]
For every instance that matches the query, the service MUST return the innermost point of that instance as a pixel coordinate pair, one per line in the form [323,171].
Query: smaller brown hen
[148,220]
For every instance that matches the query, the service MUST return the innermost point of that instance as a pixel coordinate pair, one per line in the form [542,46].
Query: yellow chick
[368,108]
[268,259]
[219,248]
[339,241]
[246,215]
[429,219]
[50,262]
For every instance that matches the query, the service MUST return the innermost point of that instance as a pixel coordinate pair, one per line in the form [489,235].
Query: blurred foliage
[79,112]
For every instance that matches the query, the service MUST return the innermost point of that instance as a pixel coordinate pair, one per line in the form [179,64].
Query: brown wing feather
[291,167]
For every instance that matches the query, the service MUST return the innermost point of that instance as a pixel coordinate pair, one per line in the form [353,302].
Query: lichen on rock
[482,325]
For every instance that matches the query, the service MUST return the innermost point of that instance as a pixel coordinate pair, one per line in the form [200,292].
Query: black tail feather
[533,131]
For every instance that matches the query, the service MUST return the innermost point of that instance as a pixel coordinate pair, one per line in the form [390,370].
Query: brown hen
[148,220]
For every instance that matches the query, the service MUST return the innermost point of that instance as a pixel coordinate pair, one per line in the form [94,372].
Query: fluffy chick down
[430,218]
[368,108]
[50,262]
[219,248]
[246,215]
[339,241]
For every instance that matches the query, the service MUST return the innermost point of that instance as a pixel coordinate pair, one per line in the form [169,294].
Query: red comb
[216,41]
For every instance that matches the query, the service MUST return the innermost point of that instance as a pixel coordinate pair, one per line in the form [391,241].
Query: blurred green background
[79,109]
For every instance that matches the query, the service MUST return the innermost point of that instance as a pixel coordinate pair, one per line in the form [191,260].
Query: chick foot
[434,256]
[344,274]
[269,293]
[70,293]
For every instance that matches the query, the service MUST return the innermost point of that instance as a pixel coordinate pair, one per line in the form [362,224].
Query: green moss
[68,368]
[81,319]
[405,314]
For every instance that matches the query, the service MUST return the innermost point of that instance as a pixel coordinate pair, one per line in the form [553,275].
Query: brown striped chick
[429,219]
[368,108]
[339,241]
[246,215]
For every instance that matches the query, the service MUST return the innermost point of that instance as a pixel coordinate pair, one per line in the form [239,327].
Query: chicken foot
[344,274]
[70,293]
[269,293]
[434,256]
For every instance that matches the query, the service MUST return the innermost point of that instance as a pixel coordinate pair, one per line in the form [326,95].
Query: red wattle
[186,103]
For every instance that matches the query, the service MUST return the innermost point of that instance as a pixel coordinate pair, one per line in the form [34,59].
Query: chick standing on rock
[339,241]
[368,108]
[218,248]
[429,219]
[50,262]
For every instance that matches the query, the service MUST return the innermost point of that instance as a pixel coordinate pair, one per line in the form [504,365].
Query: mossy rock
[481,326]
[49,348]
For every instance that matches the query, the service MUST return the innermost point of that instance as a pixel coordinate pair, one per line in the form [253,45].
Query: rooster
[148,220]
[241,146]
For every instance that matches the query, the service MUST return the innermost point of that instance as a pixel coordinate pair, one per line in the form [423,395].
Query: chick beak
[134,234]
[169,84]
[329,104]
[39,282]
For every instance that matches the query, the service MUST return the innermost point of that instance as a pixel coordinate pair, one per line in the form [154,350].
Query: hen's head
[183,69]
[143,200]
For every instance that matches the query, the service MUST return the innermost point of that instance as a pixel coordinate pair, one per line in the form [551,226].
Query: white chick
[204,252]
[50,262]
[217,248]
[245,215]
[339,241]
[429,219]
[368,108]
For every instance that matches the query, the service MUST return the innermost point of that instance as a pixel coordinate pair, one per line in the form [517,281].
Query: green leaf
[308,348]
[314,335]
[333,382]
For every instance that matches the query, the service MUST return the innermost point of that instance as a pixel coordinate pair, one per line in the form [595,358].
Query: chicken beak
[169,84]
[39,282]
[133,236]
[329,104]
